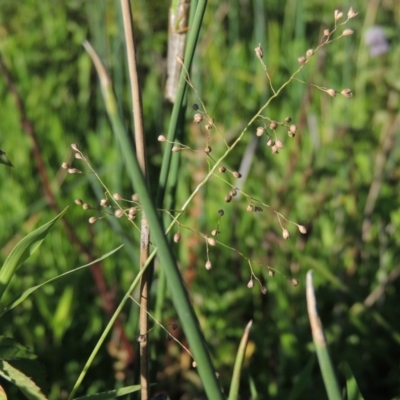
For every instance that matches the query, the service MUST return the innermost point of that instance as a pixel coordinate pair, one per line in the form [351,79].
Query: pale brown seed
[86,206]
[104,202]
[221,213]
[222,169]
[177,237]
[228,198]
[288,119]
[271,273]
[74,171]
[79,202]
[74,147]
[346,93]
[236,174]
[263,290]
[92,220]
[211,241]
[207,150]
[273,125]
[338,15]
[260,130]
[331,92]
[279,144]
[78,156]
[117,196]
[270,142]
[351,13]
[274,149]
[285,233]
[326,32]
[214,232]
[309,53]
[250,208]
[302,229]
[301,60]
[175,149]
[161,138]
[198,118]
[347,32]
[250,283]
[65,165]
[295,282]
[208,265]
[118,213]
[259,52]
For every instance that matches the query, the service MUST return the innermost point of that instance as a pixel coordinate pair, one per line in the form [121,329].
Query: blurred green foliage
[338,177]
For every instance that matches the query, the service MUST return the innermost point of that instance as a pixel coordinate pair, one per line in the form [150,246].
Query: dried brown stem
[145,232]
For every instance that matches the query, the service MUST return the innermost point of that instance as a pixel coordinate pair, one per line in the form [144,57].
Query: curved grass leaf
[29,291]
[24,383]
[353,391]
[234,390]
[111,394]
[23,250]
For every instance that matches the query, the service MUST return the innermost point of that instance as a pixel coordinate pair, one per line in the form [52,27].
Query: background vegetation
[339,177]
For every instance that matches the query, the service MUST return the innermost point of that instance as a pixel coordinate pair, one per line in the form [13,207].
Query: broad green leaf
[24,383]
[29,291]
[112,394]
[22,251]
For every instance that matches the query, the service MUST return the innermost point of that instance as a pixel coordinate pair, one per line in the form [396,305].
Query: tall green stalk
[178,291]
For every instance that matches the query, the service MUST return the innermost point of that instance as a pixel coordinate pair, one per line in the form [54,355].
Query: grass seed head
[175,149]
[214,232]
[117,196]
[351,13]
[221,212]
[338,15]
[236,174]
[161,138]
[263,290]
[326,32]
[65,165]
[273,125]
[271,273]
[86,206]
[309,53]
[208,265]
[288,119]
[331,92]
[79,202]
[207,150]
[259,52]
[198,118]
[250,283]
[346,93]
[74,147]
[228,198]
[118,213]
[211,241]
[270,142]
[250,208]
[222,169]
[74,171]
[301,60]
[295,282]
[177,237]
[260,130]
[279,144]
[302,229]
[92,220]
[347,32]
[285,234]
[104,202]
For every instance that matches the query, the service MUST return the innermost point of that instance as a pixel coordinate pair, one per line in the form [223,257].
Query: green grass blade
[179,294]
[353,391]
[178,105]
[237,369]
[23,250]
[325,363]
[111,394]
[29,291]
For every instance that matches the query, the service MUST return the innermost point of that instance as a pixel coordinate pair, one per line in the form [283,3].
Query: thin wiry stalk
[145,232]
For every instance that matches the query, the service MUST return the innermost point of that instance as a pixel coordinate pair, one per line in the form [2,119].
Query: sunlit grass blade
[111,394]
[179,294]
[353,391]
[23,250]
[325,363]
[24,383]
[29,291]
[237,369]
